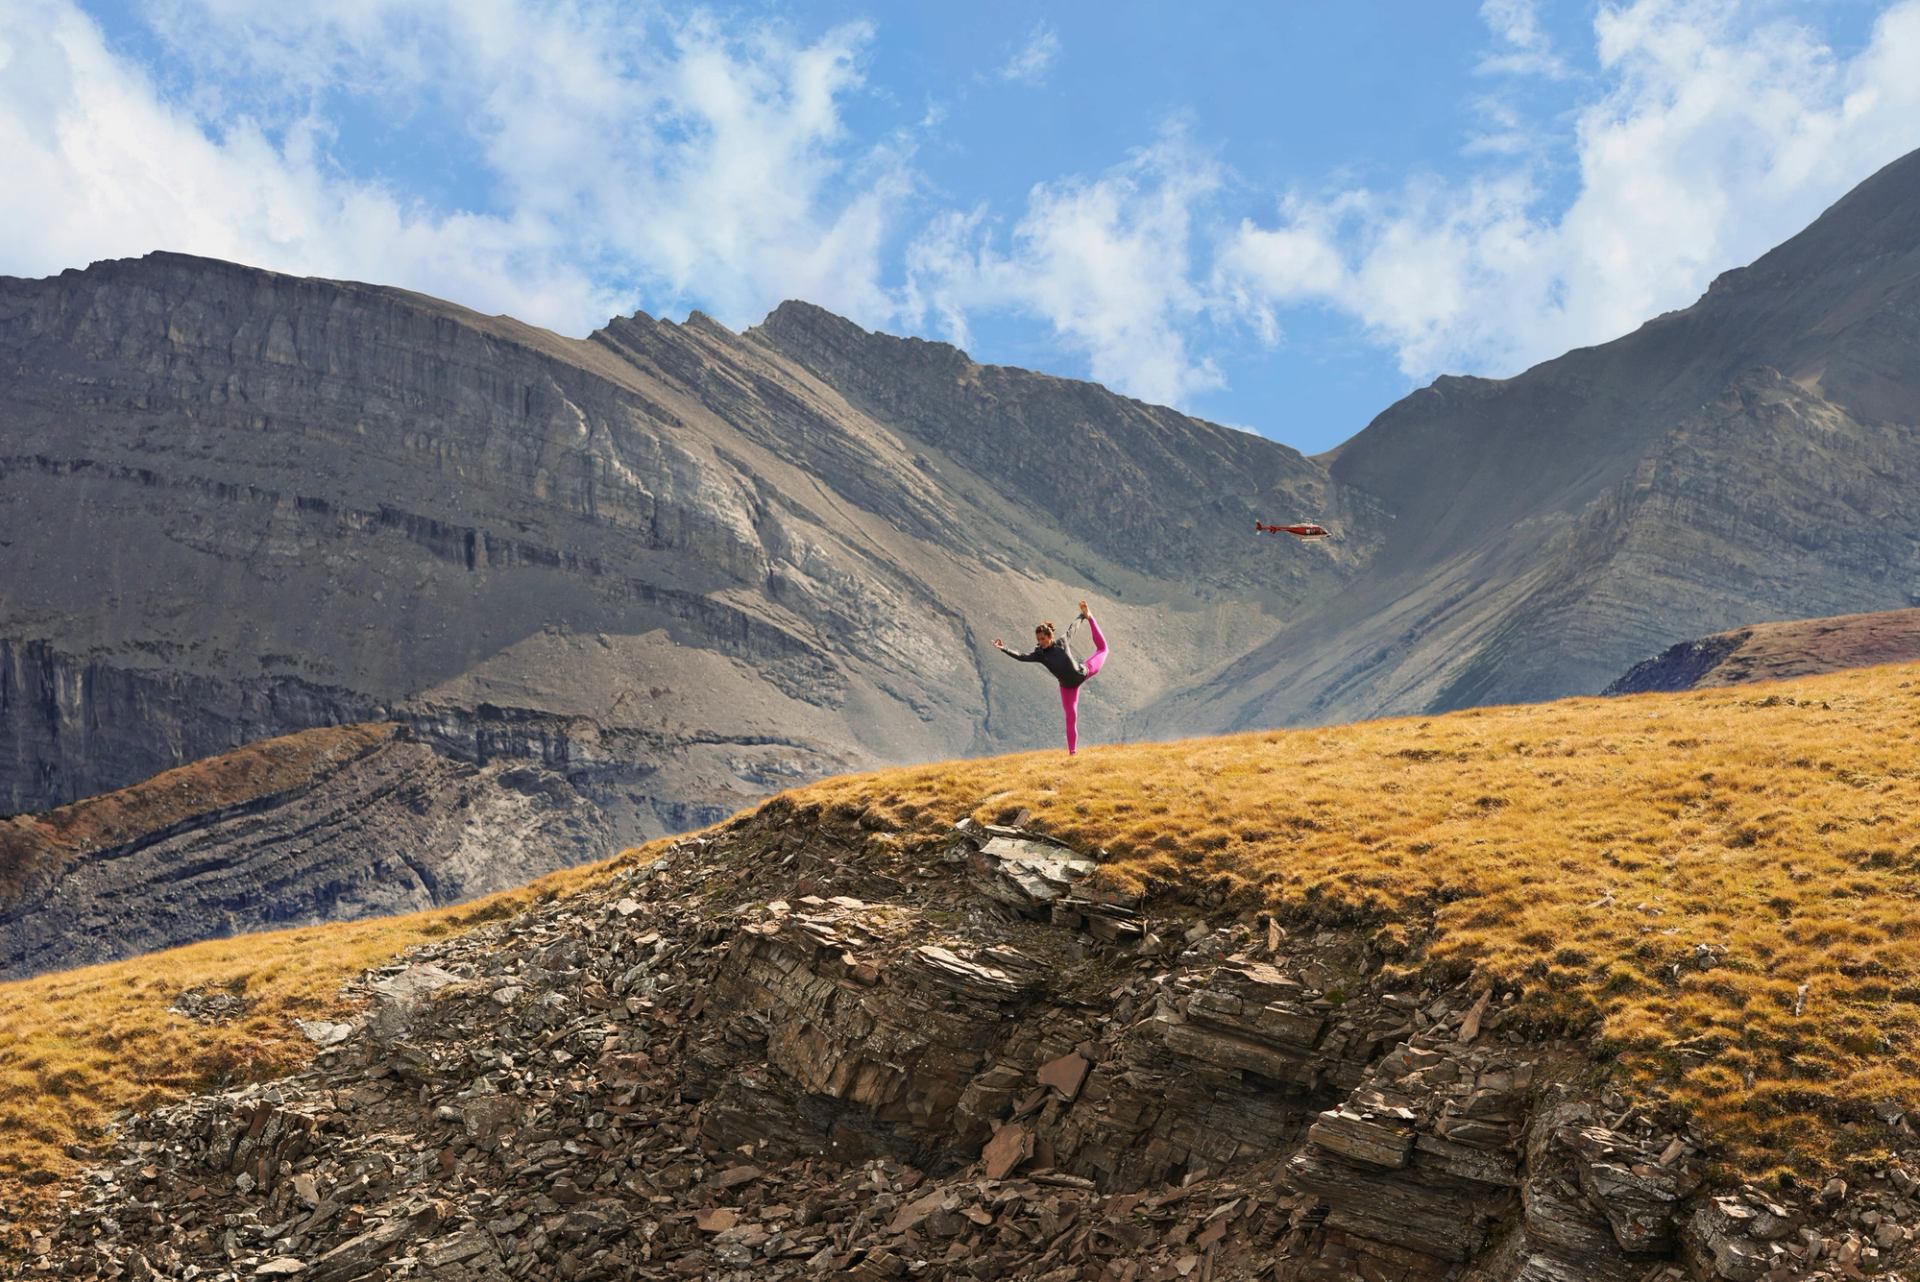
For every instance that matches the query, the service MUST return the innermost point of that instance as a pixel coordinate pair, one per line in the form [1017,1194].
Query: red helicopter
[1303,531]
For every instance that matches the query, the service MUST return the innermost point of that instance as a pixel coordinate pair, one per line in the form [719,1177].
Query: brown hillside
[1776,651]
[34,846]
[331,824]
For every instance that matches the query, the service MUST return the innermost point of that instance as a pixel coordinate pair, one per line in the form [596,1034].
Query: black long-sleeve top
[1058,660]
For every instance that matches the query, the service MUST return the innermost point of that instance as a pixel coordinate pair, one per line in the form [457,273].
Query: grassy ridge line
[78,1046]
[1722,885]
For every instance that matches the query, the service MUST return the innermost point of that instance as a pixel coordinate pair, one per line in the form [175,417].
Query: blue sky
[1281,216]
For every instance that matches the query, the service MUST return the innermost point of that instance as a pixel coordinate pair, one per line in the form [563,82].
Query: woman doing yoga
[1052,651]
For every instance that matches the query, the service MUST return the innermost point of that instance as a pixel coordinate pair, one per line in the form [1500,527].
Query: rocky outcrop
[1776,651]
[1680,667]
[327,825]
[865,1064]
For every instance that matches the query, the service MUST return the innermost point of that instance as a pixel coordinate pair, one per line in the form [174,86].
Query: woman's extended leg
[1099,655]
[1070,704]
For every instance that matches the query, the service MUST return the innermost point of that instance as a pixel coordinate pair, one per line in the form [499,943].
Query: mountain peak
[797,316]
[1878,218]
[701,322]
[797,326]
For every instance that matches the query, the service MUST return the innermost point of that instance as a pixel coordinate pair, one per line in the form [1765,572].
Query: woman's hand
[1083,609]
[998,644]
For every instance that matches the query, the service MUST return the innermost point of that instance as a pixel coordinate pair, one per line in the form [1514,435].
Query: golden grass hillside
[1723,886]
[78,1046]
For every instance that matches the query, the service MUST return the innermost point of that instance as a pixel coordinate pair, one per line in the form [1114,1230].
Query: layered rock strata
[326,825]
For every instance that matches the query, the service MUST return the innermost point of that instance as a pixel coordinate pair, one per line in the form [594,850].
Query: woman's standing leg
[1070,704]
[1099,655]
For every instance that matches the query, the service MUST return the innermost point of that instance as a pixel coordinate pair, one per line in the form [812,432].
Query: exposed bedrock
[457,799]
[67,718]
[437,806]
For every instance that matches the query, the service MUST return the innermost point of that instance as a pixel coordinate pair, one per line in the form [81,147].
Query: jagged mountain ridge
[1752,456]
[677,562]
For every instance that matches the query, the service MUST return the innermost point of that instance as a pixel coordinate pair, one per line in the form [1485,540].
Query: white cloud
[1522,55]
[1712,140]
[1507,132]
[632,156]
[1106,262]
[99,167]
[1033,60]
[1524,47]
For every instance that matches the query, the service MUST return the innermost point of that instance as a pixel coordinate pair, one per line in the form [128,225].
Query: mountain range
[673,568]
[1754,456]
[685,566]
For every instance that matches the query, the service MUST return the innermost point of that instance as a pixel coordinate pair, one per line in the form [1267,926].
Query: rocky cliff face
[1138,485]
[1748,457]
[1776,651]
[326,825]
[70,721]
[958,1061]
[243,504]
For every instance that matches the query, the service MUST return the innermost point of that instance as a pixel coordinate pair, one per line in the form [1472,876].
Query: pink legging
[1070,695]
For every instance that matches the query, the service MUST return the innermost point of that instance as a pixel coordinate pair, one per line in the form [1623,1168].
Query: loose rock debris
[1002,1072]
[209,1006]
